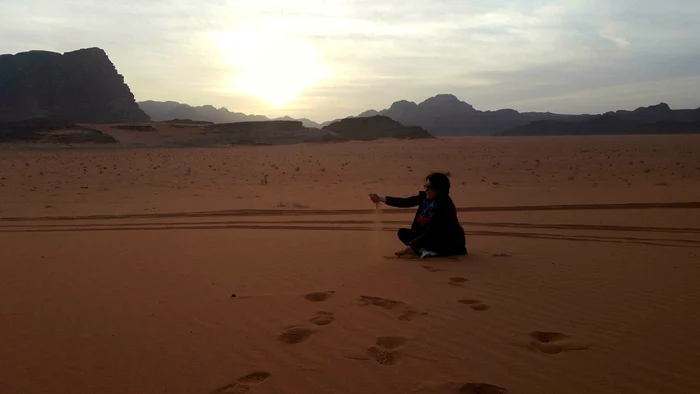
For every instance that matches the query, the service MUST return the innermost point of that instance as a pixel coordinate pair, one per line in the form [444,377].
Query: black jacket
[438,229]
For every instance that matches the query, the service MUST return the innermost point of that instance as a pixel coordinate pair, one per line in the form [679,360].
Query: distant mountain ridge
[446,115]
[640,121]
[658,113]
[161,111]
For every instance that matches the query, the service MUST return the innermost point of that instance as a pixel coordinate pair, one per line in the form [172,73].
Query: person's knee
[404,235]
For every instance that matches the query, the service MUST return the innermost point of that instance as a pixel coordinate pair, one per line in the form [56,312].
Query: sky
[327,59]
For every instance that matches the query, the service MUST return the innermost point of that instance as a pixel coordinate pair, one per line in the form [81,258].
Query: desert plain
[268,270]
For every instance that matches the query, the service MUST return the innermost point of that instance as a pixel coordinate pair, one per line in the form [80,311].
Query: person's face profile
[429,189]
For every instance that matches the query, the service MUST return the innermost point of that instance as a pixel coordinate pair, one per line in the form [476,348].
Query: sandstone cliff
[82,86]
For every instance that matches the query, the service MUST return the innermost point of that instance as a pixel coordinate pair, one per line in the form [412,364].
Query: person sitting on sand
[435,230]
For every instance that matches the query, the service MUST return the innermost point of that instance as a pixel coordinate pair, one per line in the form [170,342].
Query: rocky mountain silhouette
[161,111]
[645,120]
[446,115]
[82,86]
[658,113]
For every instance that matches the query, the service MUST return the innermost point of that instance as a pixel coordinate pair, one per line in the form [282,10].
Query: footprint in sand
[319,296]
[382,302]
[554,342]
[431,269]
[323,318]
[475,304]
[242,385]
[294,335]
[450,387]
[457,281]
[387,350]
[404,312]
[409,314]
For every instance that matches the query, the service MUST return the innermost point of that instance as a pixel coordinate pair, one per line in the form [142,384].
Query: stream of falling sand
[377,229]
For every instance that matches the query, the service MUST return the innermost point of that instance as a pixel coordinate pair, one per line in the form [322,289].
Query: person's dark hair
[439,182]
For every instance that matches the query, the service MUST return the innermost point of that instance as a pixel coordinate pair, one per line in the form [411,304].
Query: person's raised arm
[399,202]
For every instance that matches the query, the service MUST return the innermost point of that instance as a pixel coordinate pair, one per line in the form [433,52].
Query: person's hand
[403,252]
[375,198]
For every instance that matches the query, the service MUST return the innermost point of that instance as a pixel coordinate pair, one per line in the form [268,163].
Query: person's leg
[434,246]
[429,247]
[405,235]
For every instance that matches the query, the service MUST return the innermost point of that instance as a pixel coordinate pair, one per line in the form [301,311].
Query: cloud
[524,53]
[614,32]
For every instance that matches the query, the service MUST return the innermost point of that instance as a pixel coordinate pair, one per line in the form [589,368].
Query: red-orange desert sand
[118,268]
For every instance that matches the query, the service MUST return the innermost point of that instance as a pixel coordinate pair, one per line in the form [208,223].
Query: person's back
[450,228]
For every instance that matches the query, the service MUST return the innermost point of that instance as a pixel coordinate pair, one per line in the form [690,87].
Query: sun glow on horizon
[269,65]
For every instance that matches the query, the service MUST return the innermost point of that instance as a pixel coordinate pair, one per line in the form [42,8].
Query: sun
[274,67]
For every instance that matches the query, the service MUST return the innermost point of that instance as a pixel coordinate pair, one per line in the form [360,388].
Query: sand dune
[182,271]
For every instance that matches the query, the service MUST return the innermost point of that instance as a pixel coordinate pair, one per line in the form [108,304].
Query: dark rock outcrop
[135,127]
[187,122]
[82,86]
[50,130]
[374,127]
